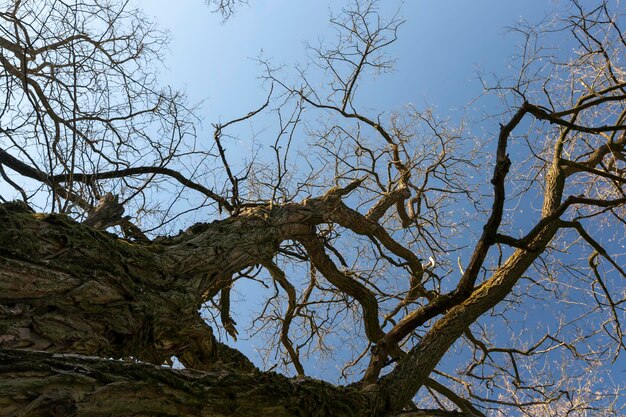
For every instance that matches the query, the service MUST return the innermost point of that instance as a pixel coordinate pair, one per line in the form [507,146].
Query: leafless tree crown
[460,275]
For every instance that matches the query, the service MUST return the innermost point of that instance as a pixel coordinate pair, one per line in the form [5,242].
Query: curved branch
[344,283]
[279,276]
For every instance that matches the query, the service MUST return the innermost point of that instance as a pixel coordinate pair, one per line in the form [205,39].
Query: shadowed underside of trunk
[43,384]
[68,290]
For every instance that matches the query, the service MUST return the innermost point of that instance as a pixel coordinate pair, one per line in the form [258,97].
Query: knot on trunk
[107,213]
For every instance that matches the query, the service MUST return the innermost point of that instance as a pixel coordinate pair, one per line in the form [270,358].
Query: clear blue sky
[442,45]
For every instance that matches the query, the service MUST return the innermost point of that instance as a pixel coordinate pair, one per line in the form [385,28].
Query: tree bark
[68,290]
[66,287]
[46,384]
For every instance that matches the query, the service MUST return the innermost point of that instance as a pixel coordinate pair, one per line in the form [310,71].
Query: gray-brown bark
[69,288]
[44,384]
[65,287]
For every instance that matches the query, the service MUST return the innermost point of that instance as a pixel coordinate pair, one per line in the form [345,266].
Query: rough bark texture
[68,288]
[65,287]
[43,384]
[64,385]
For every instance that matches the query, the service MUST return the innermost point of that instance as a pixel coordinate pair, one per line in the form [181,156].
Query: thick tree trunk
[66,287]
[70,290]
[80,307]
[44,384]
[37,384]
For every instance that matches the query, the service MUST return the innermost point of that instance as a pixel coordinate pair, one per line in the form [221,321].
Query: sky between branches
[442,47]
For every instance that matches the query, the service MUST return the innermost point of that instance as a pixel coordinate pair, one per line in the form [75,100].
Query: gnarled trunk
[71,290]
[43,384]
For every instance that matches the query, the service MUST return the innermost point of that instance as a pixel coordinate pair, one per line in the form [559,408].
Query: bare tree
[387,240]
[225,7]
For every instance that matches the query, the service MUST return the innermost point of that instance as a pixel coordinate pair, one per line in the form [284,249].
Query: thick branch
[542,114]
[578,167]
[38,383]
[346,284]
[490,229]
[413,370]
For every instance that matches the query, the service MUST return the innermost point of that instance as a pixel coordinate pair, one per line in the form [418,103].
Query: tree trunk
[71,290]
[66,287]
[45,384]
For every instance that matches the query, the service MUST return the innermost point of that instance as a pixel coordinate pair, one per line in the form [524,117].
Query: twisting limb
[279,276]
[345,283]
[227,321]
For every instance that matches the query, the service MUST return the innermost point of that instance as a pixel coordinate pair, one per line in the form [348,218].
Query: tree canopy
[461,275]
